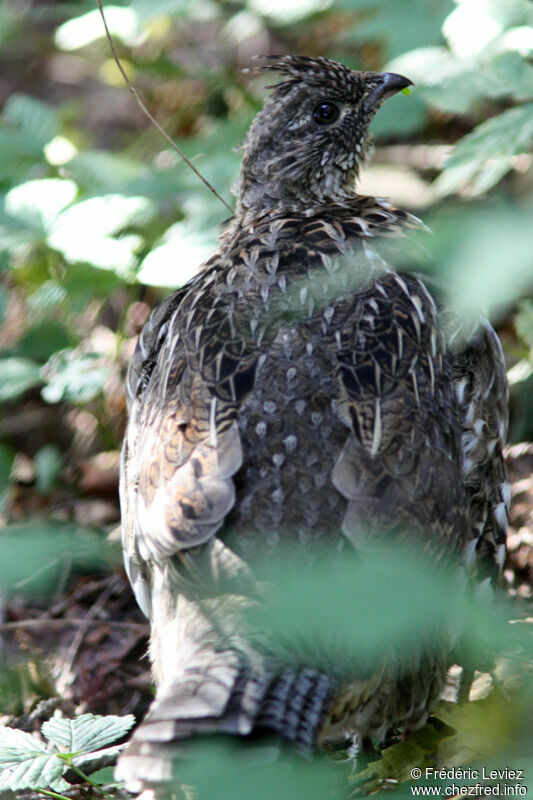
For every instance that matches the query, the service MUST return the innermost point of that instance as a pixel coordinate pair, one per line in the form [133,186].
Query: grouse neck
[371,216]
[246,214]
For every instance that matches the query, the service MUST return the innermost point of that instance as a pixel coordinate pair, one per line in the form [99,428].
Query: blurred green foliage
[97,213]
[37,558]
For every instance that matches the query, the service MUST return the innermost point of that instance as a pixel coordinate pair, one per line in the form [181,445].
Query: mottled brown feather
[300,389]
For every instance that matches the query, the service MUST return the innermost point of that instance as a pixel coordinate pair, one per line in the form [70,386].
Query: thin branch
[152,119]
[47,622]
[82,630]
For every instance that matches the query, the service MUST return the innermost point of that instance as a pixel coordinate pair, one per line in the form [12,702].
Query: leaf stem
[50,793]
[87,779]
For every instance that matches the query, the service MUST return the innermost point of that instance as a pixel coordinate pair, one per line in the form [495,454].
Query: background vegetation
[98,214]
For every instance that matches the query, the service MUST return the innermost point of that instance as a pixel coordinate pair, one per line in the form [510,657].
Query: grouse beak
[389,83]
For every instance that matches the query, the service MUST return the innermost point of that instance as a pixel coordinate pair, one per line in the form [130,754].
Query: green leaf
[99,172]
[37,120]
[42,340]
[25,763]
[82,283]
[36,204]
[510,74]
[397,761]
[18,375]
[74,376]
[483,728]
[385,586]
[86,733]
[35,556]
[178,256]
[89,763]
[17,231]
[103,777]
[99,243]
[401,26]
[27,125]
[288,13]
[473,27]
[484,155]
[87,28]
[509,133]
[443,80]
[11,19]
[147,10]
[13,742]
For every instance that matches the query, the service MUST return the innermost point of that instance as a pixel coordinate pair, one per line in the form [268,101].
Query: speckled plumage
[299,390]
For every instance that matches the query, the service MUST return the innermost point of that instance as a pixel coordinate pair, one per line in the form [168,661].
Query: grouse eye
[326,113]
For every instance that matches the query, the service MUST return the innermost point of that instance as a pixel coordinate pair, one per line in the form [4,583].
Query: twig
[152,119]
[76,643]
[47,622]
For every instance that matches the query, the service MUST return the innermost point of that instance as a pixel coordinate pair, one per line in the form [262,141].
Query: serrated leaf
[98,759]
[510,133]
[18,375]
[484,155]
[33,772]
[86,733]
[25,763]
[16,745]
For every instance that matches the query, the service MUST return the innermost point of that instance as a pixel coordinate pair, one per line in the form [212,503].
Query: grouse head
[307,144]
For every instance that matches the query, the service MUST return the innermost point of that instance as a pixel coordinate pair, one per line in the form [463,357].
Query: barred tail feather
[291,704]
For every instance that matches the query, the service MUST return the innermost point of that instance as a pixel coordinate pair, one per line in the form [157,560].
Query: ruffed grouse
[300,389]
